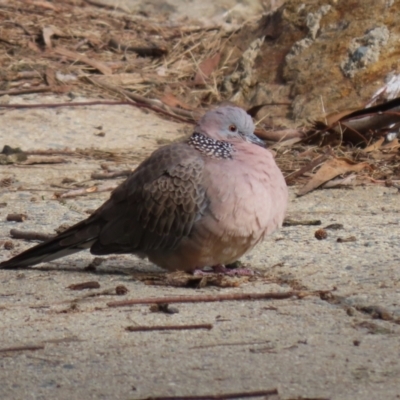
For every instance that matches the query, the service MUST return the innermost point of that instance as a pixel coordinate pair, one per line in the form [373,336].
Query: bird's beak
[254,139]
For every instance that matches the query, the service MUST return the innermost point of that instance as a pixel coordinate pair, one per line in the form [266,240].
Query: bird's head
[228,124]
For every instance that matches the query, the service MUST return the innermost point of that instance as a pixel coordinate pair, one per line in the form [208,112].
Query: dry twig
[167,327]
[84,285]
[141,51]
[16,217]
[77,57]
[22,348]
[239,395]
[30,235]
[293,222]
[309,167]
[153,104]
[205,298]
[16,92]
[110,175]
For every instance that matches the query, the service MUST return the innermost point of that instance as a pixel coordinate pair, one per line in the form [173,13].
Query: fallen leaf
[286,143]
[375,146]
[170,100]
[310,166]
[381,156]
[206,68]
[33,46]
[340,182]
[394,144]
[77,57]
[127,80]
[331,169]
[50,77]
[279,135]
[48,32]
[332,118]
[43,4]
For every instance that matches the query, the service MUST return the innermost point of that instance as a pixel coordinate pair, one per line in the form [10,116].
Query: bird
[203,202]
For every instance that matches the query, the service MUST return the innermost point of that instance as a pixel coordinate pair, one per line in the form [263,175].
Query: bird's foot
[221,269]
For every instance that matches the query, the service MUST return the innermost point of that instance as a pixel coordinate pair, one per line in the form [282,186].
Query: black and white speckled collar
[211,147]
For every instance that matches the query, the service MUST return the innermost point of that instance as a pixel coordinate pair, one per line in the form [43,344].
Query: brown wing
[156,206]
[153,209]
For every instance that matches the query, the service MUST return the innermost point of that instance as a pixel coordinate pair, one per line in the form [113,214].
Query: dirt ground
[337,337]
[342,345]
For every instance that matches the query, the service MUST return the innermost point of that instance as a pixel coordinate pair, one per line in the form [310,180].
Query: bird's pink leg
[221,269]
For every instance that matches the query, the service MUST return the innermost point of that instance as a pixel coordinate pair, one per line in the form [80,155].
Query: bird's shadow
[84,269]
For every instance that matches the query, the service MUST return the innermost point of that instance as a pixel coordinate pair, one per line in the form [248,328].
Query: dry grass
[59,45]
[72,46]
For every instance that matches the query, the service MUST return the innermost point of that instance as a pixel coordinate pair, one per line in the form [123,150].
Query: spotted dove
[203,202]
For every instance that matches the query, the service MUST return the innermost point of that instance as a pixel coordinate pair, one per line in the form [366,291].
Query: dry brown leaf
[48,32]
[394,144]
[51,77]
[206,68]
[43,4]
[332,118]
[381,156]
[331,169]
[279,135]
[74,56]
[33,46]
[127,80]
[170,100]
[339,182]
[375,146]
[286,143]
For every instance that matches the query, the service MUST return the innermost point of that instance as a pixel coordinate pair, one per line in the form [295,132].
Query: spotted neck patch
[211,147]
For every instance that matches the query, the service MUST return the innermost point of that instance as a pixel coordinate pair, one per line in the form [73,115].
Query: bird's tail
[79,237]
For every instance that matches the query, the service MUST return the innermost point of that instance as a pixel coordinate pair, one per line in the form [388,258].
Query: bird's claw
[221,269]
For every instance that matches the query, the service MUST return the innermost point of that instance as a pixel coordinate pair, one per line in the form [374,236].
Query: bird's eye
[232,128]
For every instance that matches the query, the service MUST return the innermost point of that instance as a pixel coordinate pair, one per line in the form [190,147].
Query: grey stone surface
[308,347]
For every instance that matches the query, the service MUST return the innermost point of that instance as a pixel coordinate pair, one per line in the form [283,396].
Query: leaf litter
[179,71]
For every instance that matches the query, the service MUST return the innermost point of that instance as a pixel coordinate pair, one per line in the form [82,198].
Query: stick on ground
[204,298]
[241,395]
[167,327]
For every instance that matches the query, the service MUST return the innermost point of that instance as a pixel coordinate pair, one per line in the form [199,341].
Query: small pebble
[321,234]
[121,290]
[163,308]
[351,311]
[16,217]
[8,245]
